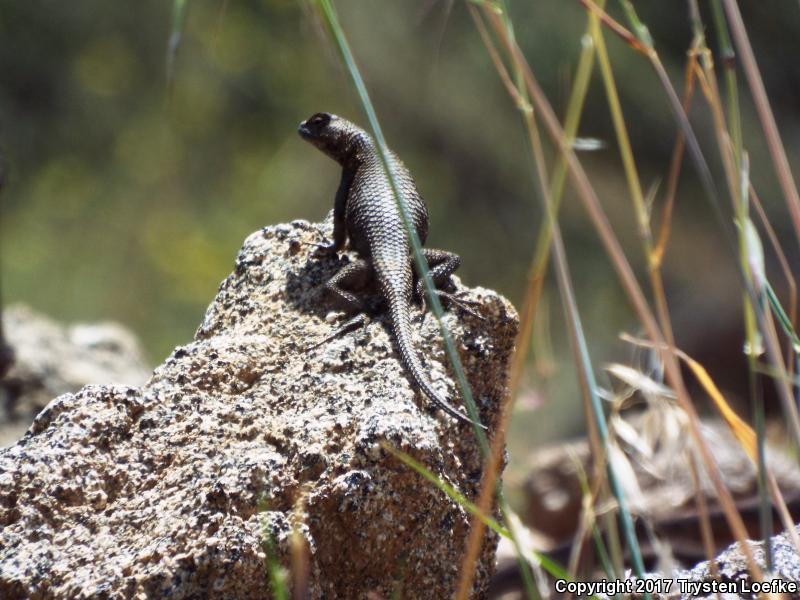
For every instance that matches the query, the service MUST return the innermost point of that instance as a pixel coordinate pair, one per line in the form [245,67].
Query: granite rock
[248,438]
[50,359]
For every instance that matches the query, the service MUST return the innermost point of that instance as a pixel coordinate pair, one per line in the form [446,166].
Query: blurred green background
[128,199]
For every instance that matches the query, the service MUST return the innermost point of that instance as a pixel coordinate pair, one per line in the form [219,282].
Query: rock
[731,567]
[665,491]
[163,491]
[50,359]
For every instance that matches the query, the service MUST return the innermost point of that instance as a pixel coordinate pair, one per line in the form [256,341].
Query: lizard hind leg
[442,265]
[356,273]
[360,320]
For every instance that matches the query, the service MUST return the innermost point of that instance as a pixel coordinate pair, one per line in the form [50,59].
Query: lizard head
[331,134]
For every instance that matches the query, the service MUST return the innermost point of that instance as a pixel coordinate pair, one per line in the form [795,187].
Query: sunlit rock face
[249,433]
[50,359]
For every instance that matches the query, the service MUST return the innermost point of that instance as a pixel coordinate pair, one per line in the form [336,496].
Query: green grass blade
[577,332]
[332,20]
[5,349]
[578,336]
[639,28]
[783,319]
[275,572]
[728,59]
[600,546]
[524,568]
[448,490]
[765,506]
[546,563]
[586,371]
[178,22]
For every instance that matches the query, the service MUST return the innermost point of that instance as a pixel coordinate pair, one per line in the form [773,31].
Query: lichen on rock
[166,490]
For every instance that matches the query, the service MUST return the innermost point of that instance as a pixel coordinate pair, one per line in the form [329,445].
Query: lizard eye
[320,119]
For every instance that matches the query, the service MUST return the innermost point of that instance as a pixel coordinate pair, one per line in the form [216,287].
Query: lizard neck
[357,149]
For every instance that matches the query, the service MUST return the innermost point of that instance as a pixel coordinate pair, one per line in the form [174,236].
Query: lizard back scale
[366,213]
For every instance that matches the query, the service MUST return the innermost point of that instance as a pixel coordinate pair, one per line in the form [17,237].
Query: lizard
[366,214]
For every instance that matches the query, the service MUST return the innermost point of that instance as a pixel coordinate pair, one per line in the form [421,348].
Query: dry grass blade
[577,336]
[299,548]
[765,324]
[535,277]
[784,263]
[740,429]
[492,465]
[623,140]
[702,509]
[615,27]
[635,295]
[588,522]
[539,263]
[736,170]
[783,511]
[639,381]
[653,253]
[776,149]
[674,168]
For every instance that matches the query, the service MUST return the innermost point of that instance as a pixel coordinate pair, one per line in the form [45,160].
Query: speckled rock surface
[51,359]
[732,571]
[162,491]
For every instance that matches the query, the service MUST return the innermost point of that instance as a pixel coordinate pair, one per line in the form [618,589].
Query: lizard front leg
[339,208]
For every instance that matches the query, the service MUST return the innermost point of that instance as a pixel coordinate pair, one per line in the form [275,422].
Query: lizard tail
[401,323]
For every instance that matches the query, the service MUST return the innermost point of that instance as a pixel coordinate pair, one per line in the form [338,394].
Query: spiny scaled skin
[366,213]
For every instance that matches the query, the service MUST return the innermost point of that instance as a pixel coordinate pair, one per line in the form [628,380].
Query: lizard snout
[304,131]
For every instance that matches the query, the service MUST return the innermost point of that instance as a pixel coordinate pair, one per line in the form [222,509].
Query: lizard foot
[463,304]
[360,320]
[324,249]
